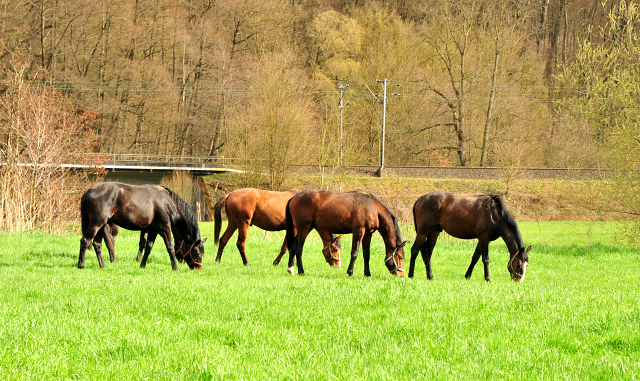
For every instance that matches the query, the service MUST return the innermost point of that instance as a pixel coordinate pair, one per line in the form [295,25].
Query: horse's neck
[512,238]
[387,225]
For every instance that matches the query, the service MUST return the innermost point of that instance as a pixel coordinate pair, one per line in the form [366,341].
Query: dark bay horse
[266,210]
[358,213]
[151,209]
[467,217]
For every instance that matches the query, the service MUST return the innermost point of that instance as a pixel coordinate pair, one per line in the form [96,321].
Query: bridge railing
[141,160]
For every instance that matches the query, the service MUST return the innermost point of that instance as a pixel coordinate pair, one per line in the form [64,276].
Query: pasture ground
[576,317]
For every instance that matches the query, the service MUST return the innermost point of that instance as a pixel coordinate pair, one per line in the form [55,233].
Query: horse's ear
[204,240]
[402,245]
[528,250]
[337,238]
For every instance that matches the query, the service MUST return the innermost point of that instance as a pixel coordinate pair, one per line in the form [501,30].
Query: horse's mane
[189,215]
[506,217]
[393,217]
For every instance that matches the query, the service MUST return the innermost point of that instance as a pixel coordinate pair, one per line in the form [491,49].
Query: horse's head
[395,262]
[517,265]
[194,255]
[331,252]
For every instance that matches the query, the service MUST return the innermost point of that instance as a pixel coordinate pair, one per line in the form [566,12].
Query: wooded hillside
[495,83]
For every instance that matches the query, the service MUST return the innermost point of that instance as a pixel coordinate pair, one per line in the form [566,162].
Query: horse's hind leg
[243,232]
[283,250]
[415,248]
[97,244]
[296,251]
[355,247]
[142,243]
[110,233]
[85,242]
[231,228]
[151,237]
[427,250]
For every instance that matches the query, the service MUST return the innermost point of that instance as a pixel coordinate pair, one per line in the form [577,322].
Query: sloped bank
[527,199]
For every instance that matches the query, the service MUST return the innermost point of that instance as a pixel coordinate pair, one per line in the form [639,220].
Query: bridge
[198,165]
[149,169]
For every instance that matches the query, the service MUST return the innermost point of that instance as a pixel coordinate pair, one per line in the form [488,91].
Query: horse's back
[335,211]
[460,215]
[262,208]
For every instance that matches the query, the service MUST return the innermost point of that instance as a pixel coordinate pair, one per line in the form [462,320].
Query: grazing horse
[266,210]
[152,209]
[359,213]
[467,217]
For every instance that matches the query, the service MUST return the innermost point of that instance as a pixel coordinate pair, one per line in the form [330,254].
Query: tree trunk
[492,94]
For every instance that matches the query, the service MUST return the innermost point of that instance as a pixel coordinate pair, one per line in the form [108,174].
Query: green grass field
[577,315]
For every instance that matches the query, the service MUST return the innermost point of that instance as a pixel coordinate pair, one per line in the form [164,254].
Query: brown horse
[152,209]
[266,210]
[467,217]
[359,213]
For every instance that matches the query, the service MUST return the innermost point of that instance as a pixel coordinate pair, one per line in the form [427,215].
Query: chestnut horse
[358,213]
[149,208]
[266,210]
[467,217]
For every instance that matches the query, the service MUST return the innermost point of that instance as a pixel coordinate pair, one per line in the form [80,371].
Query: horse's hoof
[290,271]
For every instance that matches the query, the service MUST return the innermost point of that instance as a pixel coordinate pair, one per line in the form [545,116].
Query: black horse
[151,209]
[467,217]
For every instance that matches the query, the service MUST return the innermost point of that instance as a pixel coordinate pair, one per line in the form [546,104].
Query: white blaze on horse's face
[524,270]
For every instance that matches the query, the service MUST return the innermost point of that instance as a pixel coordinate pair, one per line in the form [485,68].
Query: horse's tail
[415,224]
[290,236]
[217,217]
[84,213]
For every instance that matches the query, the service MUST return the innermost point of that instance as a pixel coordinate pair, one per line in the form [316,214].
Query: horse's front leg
[151,238]
[485,261]
[166,235]
[366,253]
[481,249]
[355,246]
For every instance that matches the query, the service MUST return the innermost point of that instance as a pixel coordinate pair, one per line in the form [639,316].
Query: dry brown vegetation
[257,80]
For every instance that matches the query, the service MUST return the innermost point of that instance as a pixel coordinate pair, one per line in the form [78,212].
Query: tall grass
[576,316]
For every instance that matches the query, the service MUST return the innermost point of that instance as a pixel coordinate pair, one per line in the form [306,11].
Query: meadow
[576,317]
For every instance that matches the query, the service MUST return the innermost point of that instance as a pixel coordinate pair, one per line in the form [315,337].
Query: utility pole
[382,172]
[384,117]
[340,107]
